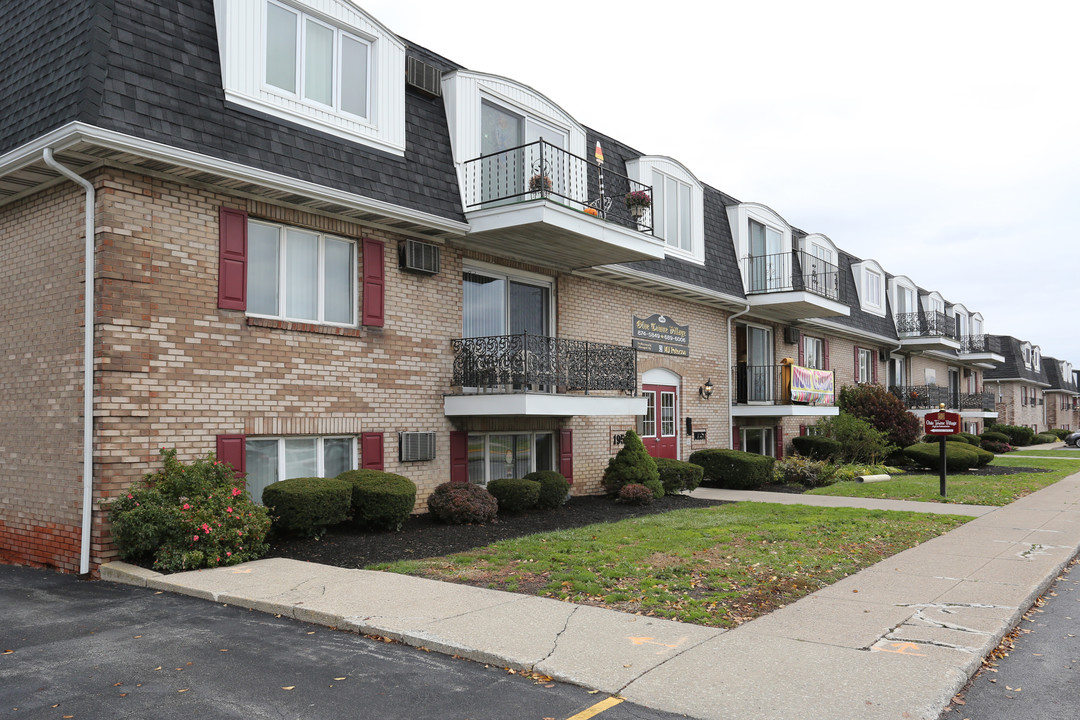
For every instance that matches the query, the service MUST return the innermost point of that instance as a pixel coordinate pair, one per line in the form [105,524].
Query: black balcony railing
[542,170]
[925,324]
[520,363]
[797,270]
[763,384]
[970,344]
[930,397]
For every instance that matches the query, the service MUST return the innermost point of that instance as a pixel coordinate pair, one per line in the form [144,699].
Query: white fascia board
[784,411]
[541,404]
[844,331]
[75,132]
[707,295]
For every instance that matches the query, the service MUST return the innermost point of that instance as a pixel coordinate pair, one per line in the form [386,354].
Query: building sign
[809,385]
[941,423]
[618,436]
[661,334]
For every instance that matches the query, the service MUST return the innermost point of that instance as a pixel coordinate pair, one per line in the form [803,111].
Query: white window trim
[861,270]
[896,285]
[934,302]
[283,288]
[820,344]
[532,453]
[739,217]
[643,169]
[242,45]
[872,355]
[825,243]
[770,446]
[477,267]
[319,453]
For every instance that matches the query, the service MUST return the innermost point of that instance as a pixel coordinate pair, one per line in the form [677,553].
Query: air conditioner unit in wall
[882,355]
[791,335]
[423,76]
[418,257]
[413,446]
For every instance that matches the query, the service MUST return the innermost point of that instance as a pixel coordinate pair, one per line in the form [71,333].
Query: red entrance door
[658,430]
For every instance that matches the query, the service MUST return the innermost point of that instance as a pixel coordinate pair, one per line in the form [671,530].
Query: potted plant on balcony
[637,202]
[540,184]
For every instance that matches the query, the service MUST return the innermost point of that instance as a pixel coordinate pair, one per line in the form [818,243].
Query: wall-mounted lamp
[706,390]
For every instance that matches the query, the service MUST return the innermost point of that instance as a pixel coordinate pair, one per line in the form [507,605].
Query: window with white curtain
[297,274]
[316,62]
[497,455]
[270,459]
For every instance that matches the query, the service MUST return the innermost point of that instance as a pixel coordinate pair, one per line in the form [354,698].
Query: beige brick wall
[41,292]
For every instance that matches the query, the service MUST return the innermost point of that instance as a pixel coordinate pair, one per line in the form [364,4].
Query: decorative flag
[599,153]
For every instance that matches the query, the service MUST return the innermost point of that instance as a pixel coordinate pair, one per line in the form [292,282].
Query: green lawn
[1074,454]
[963,489]
[717,566]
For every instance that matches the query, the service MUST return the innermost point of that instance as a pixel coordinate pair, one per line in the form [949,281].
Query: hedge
[734,469]
[515,495]
[380,500]
[308,505]
[1018,435]
[678,475]
[554,488]
[1042,438]
[958,456]
[995,437]
[816,447]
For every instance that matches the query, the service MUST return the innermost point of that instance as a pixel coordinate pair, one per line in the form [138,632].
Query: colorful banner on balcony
[809,385]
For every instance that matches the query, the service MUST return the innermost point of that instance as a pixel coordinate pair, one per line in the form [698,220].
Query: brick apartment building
[368,256]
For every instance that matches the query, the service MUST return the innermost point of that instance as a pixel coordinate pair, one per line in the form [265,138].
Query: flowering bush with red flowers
[187,517]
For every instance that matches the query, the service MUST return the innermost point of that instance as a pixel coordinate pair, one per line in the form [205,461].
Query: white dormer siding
[678,204]
[757,231]
[870,286]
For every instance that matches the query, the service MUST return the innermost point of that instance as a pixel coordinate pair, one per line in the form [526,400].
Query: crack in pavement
[659,665]
[555,642]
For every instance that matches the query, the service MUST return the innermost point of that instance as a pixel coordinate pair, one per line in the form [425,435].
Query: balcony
[540,203]
[765,391]
[981,350]
[542,376]
[930,397]
[794,285]
[927,330]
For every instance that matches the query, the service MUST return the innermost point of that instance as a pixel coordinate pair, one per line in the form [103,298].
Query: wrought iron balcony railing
[797,270]
[925,324]
[970,344]
[767,384]
[521,363]
[542,170]
[930,397]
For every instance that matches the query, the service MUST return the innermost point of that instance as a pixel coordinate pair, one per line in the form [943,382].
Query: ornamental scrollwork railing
[930,397]
[538,363]
[787,272]
[540,170]
[925,324]
[970,344]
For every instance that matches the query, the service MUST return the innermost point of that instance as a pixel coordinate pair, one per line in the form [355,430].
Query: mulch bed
[423,536]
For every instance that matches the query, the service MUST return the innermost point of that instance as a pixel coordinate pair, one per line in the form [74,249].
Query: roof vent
[418,257]
[423,77]
[414,446]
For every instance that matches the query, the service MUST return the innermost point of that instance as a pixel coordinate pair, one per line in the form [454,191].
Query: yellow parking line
[596,709]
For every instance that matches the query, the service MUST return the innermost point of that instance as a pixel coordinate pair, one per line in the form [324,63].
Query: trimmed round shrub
[632,464]
[554,488]
[188,517]
[958,456]
[380,500]
[635,494]
[998,448]
[816,447]
[1059,433]
[678,475]
[1043,438]
[515,495]
[799,470]
[969,438]
[308,505]
[457,503]
[994,436]
[1018,435]
[734,469]
[985,456]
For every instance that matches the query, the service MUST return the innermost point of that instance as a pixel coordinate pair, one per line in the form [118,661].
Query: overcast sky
[938,138]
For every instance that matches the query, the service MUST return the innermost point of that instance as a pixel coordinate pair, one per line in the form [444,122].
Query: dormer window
[677,205]
[324,65]
[312,61]
[1025,350]
[1037,358]
[873,289]
[671,211]
[870,285]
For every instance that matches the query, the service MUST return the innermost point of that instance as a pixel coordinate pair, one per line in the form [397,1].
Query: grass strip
[717,566]
[1073,454]
[962,489]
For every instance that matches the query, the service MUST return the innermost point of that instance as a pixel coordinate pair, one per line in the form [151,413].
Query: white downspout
[731,400]
[88,360]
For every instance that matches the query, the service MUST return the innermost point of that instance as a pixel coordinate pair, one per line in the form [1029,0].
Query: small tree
[883,410]
[633,465]
[859,441]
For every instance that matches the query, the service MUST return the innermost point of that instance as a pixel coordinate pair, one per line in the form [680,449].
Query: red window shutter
[857,378]
[371,451]
[825,354]
[736,442]
[230,449]
[566,454]
[232,259]
[779,442]
[873,364]
[802,430]
[374,283]
[459,456]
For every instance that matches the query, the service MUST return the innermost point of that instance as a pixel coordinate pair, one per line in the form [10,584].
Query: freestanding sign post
[941,424]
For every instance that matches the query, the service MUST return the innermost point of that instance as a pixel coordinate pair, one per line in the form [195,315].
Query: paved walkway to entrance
[837,501]
[896,640]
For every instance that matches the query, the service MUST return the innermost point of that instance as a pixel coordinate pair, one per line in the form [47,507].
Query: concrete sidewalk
[896,640]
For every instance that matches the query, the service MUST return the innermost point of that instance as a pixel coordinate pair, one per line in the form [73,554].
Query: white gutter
[731,400]
[88,359]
